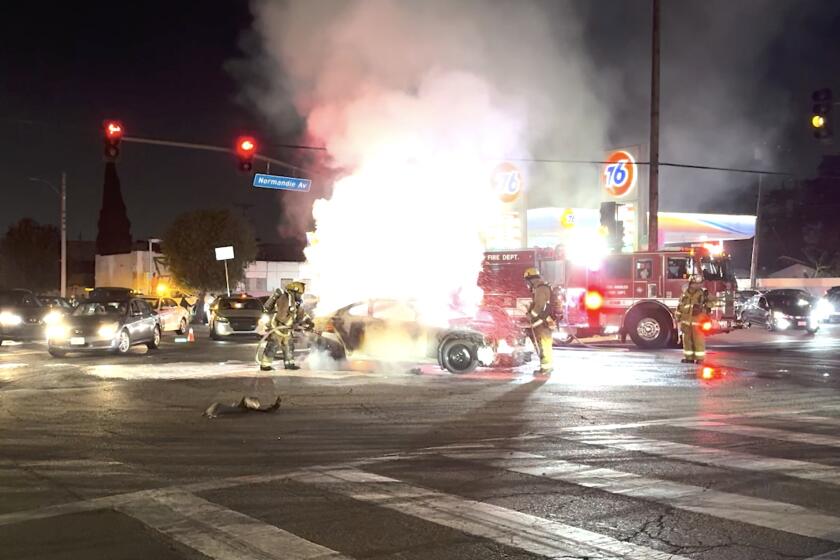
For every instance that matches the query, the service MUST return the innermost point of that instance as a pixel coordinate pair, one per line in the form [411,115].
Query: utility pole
[62,223]
[653,187]
[754,260]
[63,234]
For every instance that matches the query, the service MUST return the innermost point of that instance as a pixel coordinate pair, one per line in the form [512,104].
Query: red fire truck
[629,294]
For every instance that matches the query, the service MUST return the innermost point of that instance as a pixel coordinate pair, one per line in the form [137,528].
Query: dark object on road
[246,404]
[781,310]
[110,293]
[21,316]
[113,325]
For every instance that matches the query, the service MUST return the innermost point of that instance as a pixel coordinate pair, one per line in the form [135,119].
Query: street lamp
[62,195]
[151,265]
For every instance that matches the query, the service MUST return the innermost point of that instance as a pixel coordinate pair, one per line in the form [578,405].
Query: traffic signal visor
[817,121]
[113,130]
[246,146]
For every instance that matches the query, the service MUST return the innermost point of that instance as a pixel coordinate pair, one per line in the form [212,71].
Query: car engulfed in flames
[394,330]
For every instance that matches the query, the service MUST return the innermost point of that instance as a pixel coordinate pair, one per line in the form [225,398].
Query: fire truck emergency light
[593,300]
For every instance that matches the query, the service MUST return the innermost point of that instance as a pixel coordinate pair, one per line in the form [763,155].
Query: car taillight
[593,300]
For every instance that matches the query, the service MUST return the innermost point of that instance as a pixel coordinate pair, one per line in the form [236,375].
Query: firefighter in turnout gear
[692,311]
[541,319]
[287,315]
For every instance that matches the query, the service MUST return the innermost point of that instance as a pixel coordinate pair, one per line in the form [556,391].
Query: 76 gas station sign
[620,174]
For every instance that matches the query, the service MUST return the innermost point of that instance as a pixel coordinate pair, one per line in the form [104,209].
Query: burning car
[396,329]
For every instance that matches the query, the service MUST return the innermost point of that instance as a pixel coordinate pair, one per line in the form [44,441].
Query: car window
[100,308]
[241,303]
[169,302]
[678,268]
[617,266]
[153,303]
[145,309]
[393,311]
[644,269]
[359,310]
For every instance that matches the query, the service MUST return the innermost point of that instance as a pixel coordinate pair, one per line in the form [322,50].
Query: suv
[21,316]
[239,314]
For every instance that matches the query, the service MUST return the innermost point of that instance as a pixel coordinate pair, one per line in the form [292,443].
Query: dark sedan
[21,316]
[782,310]
[110,324]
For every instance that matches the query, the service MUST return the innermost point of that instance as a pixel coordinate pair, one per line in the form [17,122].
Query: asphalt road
[620,454]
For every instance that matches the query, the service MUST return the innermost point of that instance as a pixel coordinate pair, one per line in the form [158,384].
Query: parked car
[828,306]
[56,307]
[780,310]
[110,293]
[742,298]
[172,316]
[397,329]
[105,324]
[237,314]
[21,316]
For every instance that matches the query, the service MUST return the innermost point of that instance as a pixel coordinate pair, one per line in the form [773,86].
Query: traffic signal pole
[754,260]
[63,234]
[653,186]
[209,148]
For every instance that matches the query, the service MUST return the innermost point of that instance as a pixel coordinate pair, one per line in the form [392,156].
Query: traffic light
[246,149]
[113,133]
[821,113]
[615,229]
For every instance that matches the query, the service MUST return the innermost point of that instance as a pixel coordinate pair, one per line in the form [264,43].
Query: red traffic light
[113,130]
[246,146]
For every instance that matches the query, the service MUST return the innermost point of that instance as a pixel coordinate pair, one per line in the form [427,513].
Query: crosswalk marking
[745,509]
[713,456]
[758,432]
[221,533]
[505,526]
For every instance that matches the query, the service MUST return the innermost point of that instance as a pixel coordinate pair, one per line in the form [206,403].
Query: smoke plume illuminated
[416,103]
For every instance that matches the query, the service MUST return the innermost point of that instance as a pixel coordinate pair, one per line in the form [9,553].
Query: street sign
[620,173]
[281,183]
[224,253]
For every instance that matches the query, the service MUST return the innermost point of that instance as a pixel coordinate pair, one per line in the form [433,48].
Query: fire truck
[626,294]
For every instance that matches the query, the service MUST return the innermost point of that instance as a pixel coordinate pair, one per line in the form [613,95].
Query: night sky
[167,70]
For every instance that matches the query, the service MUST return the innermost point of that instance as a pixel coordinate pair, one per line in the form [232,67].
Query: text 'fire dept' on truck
[629,294]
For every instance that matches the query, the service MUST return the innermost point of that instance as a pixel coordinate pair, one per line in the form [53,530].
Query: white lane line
[219,532]
[502,525]
[744,509]
[776,413]
[758,432]
[813,420]
[712,456]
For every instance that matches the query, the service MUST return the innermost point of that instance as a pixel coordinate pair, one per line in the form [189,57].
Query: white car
[172,316]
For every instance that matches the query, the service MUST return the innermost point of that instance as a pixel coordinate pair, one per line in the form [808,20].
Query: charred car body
[384,326]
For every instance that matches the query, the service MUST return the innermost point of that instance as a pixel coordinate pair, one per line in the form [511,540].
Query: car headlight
[52,317]
[222,320]
[57,331]
[108,330]
[8,319]
[265,319]
[779,316]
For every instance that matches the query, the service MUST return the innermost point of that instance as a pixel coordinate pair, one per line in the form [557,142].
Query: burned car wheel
[459,356]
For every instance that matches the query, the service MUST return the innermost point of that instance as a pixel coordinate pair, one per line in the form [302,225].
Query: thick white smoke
[416,103]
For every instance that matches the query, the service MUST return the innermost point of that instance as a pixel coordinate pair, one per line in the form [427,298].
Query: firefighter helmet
[296,287]
[531,272]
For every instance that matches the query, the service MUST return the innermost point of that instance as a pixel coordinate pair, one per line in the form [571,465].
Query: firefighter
[287,314]
[541,319]
[692,311]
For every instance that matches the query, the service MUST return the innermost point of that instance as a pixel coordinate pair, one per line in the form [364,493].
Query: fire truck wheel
[649,328]
[459,356]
